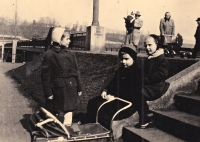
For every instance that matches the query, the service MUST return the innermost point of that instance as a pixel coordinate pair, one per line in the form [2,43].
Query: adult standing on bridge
[197,38]
[167,27]
[129,28]
[133,36]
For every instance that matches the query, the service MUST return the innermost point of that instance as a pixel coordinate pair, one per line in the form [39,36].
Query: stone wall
[96,71]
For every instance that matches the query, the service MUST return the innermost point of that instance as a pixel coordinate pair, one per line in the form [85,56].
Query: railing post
[14,50]
[24,58]
[2,53]
[198,87]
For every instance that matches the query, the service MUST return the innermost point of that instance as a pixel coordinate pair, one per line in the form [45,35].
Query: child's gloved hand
[79,93]
[110,97]
[104,94]
[50,97]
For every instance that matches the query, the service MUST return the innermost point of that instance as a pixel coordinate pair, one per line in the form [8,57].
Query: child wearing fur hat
[60,77]
[124,84]
[154,73]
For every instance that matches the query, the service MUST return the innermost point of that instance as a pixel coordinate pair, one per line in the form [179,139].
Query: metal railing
[28,43]
[77,41]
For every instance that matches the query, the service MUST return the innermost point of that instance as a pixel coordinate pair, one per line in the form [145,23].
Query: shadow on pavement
[25,122]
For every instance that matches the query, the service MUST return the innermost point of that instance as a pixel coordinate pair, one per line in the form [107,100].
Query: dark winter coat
[126,83]
[128,24]
[60,78]
[155,73]
[197,35]
[196,48]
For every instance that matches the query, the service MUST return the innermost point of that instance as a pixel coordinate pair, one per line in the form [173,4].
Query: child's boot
[145,121]
[61,116]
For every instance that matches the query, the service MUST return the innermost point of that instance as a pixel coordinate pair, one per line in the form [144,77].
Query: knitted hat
[57,34]
[129,49]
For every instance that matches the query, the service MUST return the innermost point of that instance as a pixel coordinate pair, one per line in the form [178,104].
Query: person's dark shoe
[145,125]
[80,118]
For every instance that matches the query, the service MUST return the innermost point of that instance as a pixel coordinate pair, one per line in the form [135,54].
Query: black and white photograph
[100,71]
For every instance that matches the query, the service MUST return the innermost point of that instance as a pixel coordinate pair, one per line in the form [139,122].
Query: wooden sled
[45,127]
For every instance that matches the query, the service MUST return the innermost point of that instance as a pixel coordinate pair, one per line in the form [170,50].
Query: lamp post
[16,20]
[24,58]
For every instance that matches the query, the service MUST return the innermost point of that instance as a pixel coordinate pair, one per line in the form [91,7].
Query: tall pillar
[95,39]
[14,50]
[2,48]
[95,35]
[95,21]
[2,53]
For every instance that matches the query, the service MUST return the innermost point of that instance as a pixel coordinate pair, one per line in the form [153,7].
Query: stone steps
[169,125]
[180,124]
[188,103]
[132,134]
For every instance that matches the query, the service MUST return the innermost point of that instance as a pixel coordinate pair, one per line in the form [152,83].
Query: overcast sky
[111,12]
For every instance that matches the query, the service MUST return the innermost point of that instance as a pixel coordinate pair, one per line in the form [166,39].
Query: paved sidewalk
[14,108]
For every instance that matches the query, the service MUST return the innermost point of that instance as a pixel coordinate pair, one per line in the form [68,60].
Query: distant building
[9,38]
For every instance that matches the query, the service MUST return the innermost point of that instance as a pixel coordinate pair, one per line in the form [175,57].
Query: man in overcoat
[197,38]
[167,27]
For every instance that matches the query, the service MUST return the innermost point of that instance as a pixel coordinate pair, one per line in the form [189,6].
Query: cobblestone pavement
[14,108]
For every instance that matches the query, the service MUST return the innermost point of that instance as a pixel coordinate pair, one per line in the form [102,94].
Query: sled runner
[45,127]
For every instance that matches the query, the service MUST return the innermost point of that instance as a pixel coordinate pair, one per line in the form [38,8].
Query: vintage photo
[100,70]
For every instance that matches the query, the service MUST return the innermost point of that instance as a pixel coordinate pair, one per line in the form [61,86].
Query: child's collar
[158,52]
[59,48]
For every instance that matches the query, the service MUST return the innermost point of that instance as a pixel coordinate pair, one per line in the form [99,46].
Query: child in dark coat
[154,74]
[60,77]
[125,84]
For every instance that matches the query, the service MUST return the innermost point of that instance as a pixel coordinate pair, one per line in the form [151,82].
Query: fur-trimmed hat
[57,34]
[129,49]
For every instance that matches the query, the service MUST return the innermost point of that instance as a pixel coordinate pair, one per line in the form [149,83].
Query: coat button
[61,71]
